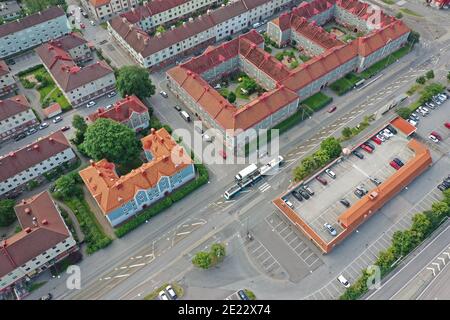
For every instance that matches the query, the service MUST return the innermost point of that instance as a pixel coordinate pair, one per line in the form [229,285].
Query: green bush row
[165,203]
[30,70]
[317,101]
[403,242]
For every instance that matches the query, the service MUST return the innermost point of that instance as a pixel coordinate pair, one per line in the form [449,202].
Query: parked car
[308,189]
[430,105]
[223,154]
[109,106]
[414,116]
[412,122]
[330,173]
[399,162]
[343,281]
[345,202]
[433,138]
[164,94]
[391,129]
[43,125]
[332,109]
[322,180]
[366,148]
[381,137]
[362,189]
[82,25]
[31,131]
[358,193]
[20,136]
[375,181]
[371,145]
[90,104]
[57,119]
[242,295]
[297,195]
[48,296]
[163,296]
[177,108]
[447,125]
[437,135]
[207,138]
[377,140]
[358,154]
[304,194]
[289,204]
[394,165]
[112,94]
[442,187]
[388,133]
[171,292]
[65,128]
[330,229]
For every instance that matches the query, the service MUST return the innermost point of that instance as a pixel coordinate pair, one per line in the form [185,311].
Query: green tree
[321,157]
[68,186]
[421,80]
[429,74]
[134,80]
[399,15]
[218,251]
[231,97]
[80,125]
[332,146]
[440,208]
[385,259]
[421,225]
[202,260]
[250,85]
[403,242]
[279,56]
[160,29]
[111,140]
[309,163]
[7,215]
[414,37]
[347,132]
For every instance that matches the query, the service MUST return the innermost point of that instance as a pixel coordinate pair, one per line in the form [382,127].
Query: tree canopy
[7,215]
[108,139]
[134,80]
[68,186]
[80,125]
[332,146]
[202,260]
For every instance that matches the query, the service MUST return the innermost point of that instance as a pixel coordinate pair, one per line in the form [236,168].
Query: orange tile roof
[111,191]
[314,33]
[99,3]
[404,126]
[121,110]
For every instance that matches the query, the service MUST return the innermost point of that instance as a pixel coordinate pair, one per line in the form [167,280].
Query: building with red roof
[52,111]
[8,82]
[16,116]
[106,9]
[31,162]
[438,3]
[78,84]
[332,60]
[130,111]
[169,166]
[44,240]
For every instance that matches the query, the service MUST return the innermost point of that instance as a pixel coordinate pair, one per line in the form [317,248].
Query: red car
[223,154]
[447,125]
[376,140]
[394,165]
[437,135]
[332,109]
[366,148]
[321,180]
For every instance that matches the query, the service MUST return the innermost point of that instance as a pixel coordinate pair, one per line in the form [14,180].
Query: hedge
[317,101]
[165,203]
[30,70]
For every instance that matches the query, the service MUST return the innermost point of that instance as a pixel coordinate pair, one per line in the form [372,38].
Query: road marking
[198,223]
[183,233]
[137,265]
[438,265]
[434,272]
[122,275]
[138,257]
[121,268]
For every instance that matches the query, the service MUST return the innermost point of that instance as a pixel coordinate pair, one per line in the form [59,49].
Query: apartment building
[19,167]
[33,30]
[169,166]
[43,241]
[7,81]
[16,116]
[192,81]
[75,45]
[196,34]
[130,111]
[106,9]
[9,10]
[78,84]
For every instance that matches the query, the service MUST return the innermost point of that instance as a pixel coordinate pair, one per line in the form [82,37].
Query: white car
[343,281]
[171,292]
[112,94]
[109,106]
[43,125]
[207,138]
[385,135]
[388,132]
[433,138]
[424,109]
[330,229]
[90,104]
[164,94]
[381,137]
[57,119]
[92,22]
[412,122]
[330,173]
[163,296]
[290,205]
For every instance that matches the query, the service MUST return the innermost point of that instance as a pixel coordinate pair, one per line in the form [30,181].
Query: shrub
[421,80]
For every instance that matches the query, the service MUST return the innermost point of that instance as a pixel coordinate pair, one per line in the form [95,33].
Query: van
[343,281]
[185,116]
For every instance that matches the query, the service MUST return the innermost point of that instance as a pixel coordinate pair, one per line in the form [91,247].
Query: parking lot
[325,207]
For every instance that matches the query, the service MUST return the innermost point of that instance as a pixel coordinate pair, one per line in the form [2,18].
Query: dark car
[304,194]
[345,202]
[358,154]
[321,180]
[391,129]
[375,181]
[370,144]
[358,193]
[242,295]
[65,128]
[48,296]
[332,109]
[20,136]
[307,189]
[297,195]
[177,108]
[399,162]
[441,187]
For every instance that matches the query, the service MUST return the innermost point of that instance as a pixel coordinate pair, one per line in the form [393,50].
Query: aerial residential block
[106,9]
[16,116]
[9,10]
[7,81]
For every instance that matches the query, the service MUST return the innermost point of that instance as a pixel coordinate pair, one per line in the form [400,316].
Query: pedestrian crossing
[264,187]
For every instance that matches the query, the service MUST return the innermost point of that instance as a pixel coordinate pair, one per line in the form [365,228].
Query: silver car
[330,229]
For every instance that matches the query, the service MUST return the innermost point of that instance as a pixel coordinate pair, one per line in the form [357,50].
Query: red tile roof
[4,69]
[151,8]
[315,33]
[362,11]
[112,191]
[30,21]
[28,156]
[68,42]
[99,3]
[13,106]
[43,228]
[55,108]
[66,72]
[121,110]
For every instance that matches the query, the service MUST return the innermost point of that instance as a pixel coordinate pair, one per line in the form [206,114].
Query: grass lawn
[382,64]
[240,95]
[345,84]
[410,12]
[36,285]
[317,101]
[388,1]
